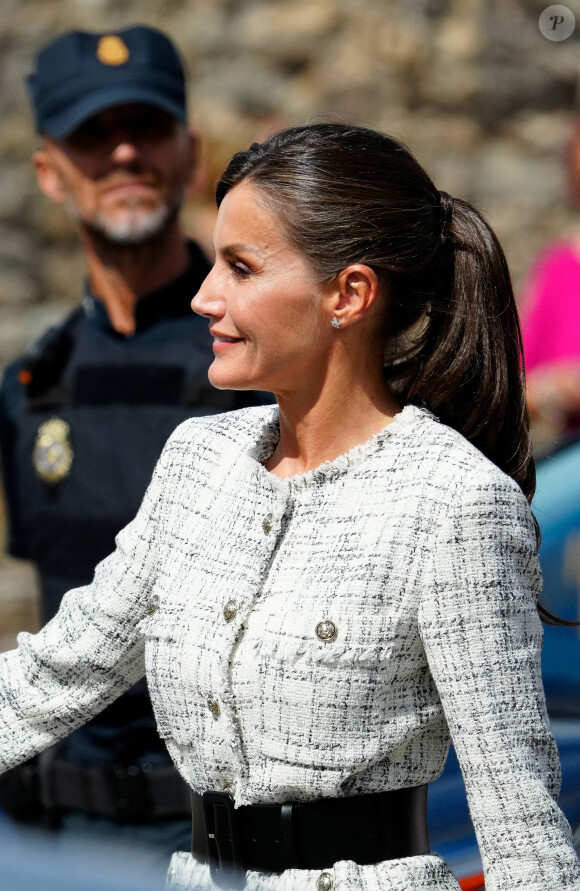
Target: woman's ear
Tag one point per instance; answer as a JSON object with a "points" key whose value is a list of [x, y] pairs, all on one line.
{"points": [[355, 292]]}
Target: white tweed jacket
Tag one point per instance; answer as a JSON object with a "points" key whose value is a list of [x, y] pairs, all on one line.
{"points": [[322, 635]]}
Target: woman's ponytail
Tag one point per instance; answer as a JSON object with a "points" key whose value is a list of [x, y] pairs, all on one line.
{"points": [[466, 366]]}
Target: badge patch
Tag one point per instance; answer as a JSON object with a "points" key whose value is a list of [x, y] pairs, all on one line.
{"points": [[111, 50], [52, 455]]}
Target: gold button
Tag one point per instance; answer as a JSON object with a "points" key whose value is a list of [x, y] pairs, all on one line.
{"points": [[326, 631], [267, 523], [153, 605], [230, 610], [324, 882], [213, 705]]}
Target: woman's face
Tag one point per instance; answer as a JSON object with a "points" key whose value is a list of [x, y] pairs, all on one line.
{"points": [[267, 313]]}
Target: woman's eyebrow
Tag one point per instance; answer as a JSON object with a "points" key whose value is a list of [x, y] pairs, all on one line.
{"points": [[236, 248]]}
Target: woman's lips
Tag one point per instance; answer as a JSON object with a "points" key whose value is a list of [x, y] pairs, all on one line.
{"points": [[221, 342]]}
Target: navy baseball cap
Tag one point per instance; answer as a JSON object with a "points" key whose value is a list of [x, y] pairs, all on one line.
{"points": [[81, 73]]}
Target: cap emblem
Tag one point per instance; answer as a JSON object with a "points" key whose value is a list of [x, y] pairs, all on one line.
{"points": [[111, 50], [52, 455]]}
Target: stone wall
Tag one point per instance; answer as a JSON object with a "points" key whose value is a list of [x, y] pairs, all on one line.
{"points": [[485, 101]]}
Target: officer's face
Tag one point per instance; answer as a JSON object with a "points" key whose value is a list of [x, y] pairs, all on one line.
{"points": [[122, 173], [267, 312]]}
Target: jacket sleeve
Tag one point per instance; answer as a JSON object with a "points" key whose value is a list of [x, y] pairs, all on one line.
{"points": [[91, 651], [482, 636]]}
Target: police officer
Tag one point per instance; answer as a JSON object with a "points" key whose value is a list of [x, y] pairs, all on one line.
{"points": [[85, 412]]}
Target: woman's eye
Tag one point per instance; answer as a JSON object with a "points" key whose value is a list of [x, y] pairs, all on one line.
{"points": [[240, 269]]}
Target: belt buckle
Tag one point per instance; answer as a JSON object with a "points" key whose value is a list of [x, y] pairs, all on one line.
{"points": [[223, 845]]}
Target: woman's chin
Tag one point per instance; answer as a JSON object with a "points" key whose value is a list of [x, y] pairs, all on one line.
{"points": [[227, 381]]}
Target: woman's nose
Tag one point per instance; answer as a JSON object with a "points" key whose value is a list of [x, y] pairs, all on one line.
{"points": [[207, 302]]}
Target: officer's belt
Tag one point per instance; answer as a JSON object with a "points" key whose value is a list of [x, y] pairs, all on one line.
{"points": [[126, 795]]}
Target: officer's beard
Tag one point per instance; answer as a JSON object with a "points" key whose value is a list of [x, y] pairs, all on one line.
{"points": [[136, 225]]}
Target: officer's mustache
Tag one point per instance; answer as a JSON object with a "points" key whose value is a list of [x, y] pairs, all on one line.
{"points": [[127, 176]]}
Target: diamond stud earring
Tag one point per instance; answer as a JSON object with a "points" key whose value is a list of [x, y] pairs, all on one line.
{"points": [[335, 322]]}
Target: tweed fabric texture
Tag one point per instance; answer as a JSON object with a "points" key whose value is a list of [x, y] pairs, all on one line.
{"points": [[423, 555], [417, 873]]}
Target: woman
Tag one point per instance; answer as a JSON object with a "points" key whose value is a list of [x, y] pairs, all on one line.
{"points": [[328, 590]]}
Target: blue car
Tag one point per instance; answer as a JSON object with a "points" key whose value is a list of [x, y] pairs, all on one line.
{"points": [[557, 509]]}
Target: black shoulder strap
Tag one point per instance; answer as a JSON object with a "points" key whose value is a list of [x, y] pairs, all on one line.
{"points": [[43, 362]]}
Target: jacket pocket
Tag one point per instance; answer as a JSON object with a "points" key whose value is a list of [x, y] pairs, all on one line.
{"points": [[334, 688]]}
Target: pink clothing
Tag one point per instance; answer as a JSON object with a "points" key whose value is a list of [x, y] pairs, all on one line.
{"points": [[551, 307]]}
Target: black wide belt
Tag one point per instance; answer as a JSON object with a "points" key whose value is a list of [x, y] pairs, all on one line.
{"points": [[314, 835]]}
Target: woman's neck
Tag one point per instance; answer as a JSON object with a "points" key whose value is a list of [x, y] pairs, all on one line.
{"points": [[315, 431]]}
